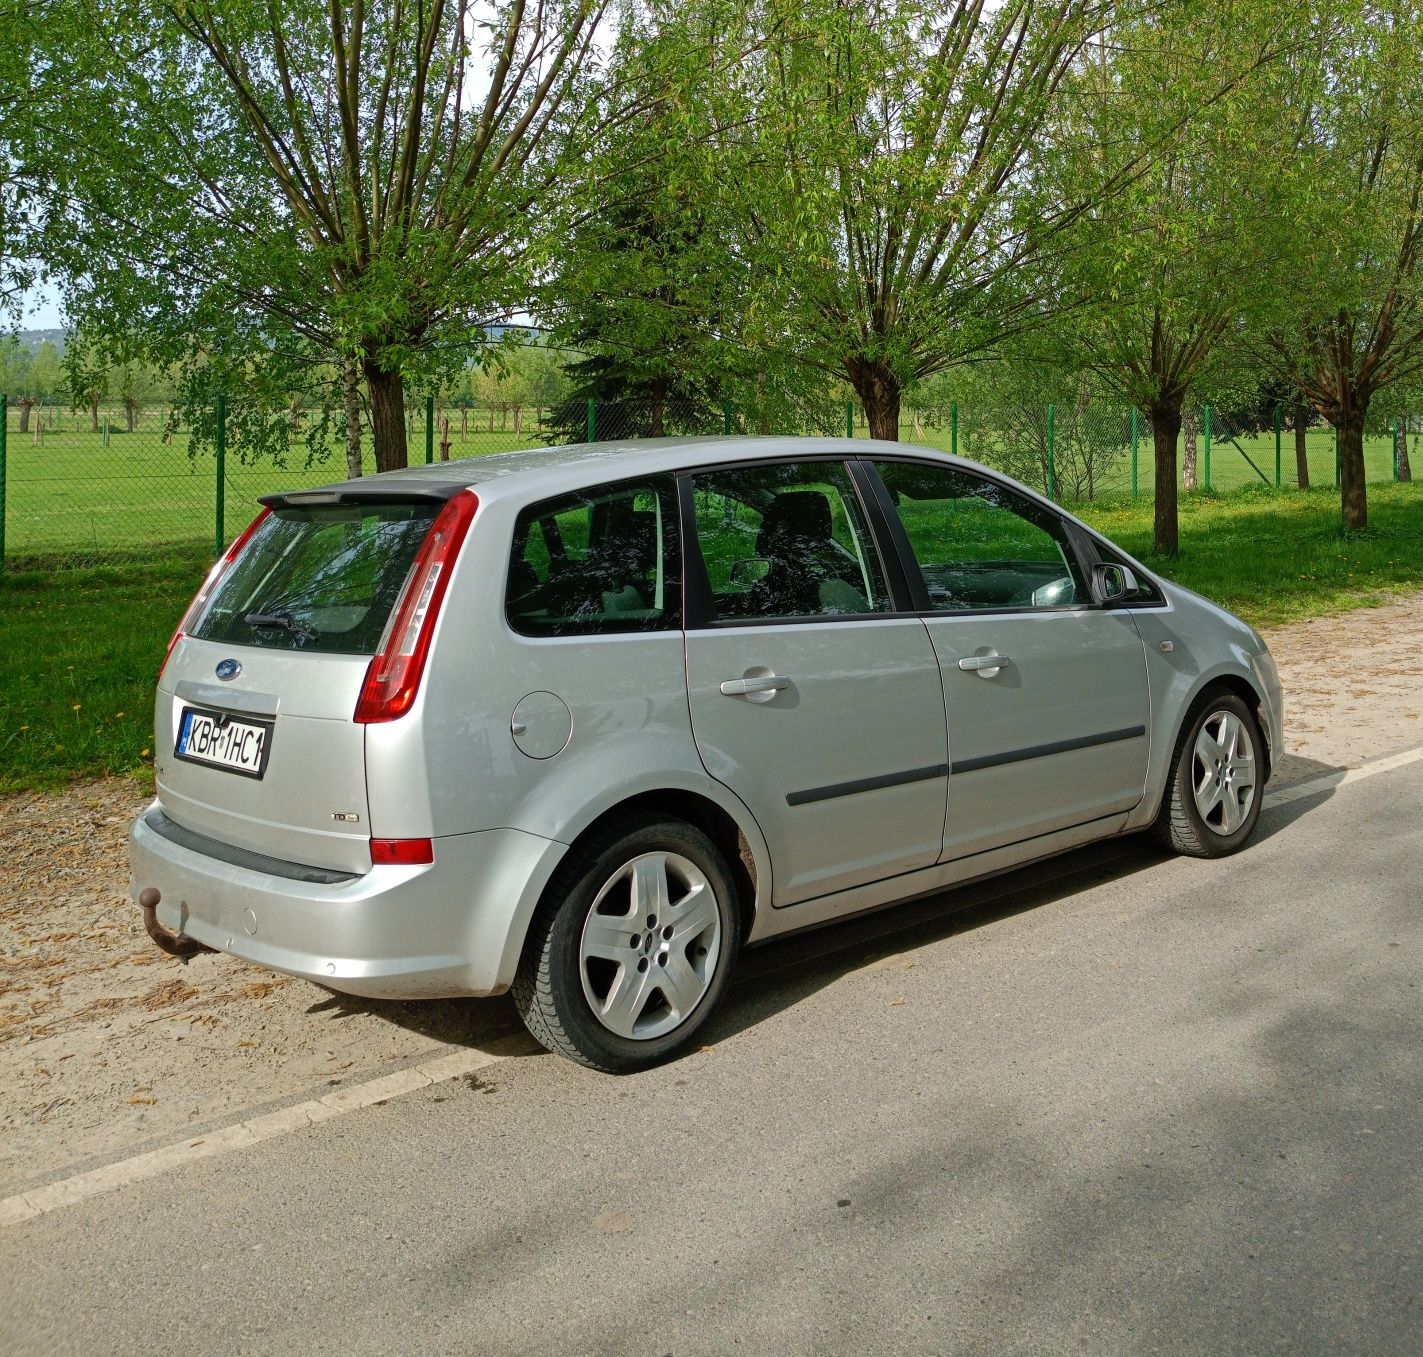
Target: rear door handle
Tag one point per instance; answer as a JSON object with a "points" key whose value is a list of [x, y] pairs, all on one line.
{"points": [[765, 683], [979, 663]]}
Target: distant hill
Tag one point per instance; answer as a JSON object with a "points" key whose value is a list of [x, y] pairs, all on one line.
{"points": [[32, 339]]}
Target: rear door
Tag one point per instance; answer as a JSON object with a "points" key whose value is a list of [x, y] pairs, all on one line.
{"points": [[812, 698], [1045, 691], [256, 742]]}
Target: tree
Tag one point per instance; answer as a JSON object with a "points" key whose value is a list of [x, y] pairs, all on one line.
{"points": [[86, 375], [891, 184], [1352, 326], [309, 184], [1170, 267]]}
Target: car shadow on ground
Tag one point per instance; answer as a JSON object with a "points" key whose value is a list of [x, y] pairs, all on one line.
{"points": [[776, 975]]}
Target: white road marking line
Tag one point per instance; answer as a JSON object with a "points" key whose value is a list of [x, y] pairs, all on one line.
{"points": [[1332, 780], [81, 1186]]}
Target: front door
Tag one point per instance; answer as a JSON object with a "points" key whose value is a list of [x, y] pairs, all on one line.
{"points": [[810, 698], [1045, 692]]}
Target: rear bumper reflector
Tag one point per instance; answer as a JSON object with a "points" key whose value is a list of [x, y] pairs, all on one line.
{"points": [[402, 852]]}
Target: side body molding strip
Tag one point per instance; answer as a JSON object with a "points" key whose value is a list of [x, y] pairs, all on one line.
{"points": [[1037, 751]]}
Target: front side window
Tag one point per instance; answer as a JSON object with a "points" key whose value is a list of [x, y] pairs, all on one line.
{"points": [[981, 545], [786, 541], [597, 561]]}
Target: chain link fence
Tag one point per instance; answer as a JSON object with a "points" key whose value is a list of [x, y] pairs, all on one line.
{"points": [[106, 485]]}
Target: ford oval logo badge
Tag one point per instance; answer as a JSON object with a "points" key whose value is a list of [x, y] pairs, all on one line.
{"points": [[227, 669]]}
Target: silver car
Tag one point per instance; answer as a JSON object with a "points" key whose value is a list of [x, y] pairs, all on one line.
{"points": [[582, 722]]}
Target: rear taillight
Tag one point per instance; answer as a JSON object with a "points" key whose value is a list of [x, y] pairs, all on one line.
{"points": [[393, 677], [402, 852], [220, 568]]}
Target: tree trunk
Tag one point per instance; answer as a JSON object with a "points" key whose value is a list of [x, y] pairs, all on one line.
{"points": [[130, 415], [1405, 471], [388, 431], [1353, 480], [518, 418], [445, 439], [93, 414], [1188, 459], [1165, 418], [878, 390], [464, 422], [26, 405], [351, 402], [1301, 422]]}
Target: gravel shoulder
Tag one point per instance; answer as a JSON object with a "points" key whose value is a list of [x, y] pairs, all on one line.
{"points": [[108, 1047]]}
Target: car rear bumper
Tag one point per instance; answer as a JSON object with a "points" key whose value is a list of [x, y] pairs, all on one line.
{"points": [[454, 927]]}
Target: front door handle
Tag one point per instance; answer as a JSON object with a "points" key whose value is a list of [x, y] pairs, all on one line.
{"points": [[763, 683], [983, 663]]}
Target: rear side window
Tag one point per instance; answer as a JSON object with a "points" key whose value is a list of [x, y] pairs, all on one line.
{"points": [[598, 561], [786, 541], [320, 579]]}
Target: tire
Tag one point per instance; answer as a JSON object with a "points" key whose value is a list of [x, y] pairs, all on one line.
{"points": [[596, 983], [1207, 812]]}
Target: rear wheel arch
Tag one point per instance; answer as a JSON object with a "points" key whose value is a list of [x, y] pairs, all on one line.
{"points": [[713, 819]]}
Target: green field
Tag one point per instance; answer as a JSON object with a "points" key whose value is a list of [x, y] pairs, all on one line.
{"points": [[72, 498], [80, 649]]}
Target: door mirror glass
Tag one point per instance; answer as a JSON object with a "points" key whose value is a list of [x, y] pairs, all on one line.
{"points": [[1114, 583]]}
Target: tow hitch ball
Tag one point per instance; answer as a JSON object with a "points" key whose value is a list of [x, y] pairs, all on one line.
{"points": [[179, 945]]}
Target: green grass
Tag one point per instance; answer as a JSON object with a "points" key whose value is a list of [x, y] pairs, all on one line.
{"points": [[79, 655], [80, 650], [1274, 556], [71, 497]]}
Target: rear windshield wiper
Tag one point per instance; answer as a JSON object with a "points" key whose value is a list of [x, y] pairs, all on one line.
{"points": [[283, 620]]}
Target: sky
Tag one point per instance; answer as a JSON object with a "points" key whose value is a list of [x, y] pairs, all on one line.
{"points": [[41, 312]]}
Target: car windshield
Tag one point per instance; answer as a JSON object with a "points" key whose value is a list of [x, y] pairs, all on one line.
{"points": [[318, 578]]}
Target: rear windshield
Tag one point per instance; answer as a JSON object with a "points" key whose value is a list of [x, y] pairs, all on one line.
{"points": [[318, 579]]}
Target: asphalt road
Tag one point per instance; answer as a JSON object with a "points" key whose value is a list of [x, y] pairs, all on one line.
{"points": [[1120, 1103]]}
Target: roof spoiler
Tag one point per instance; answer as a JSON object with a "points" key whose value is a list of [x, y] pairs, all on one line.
{"points": [[359, 494]]}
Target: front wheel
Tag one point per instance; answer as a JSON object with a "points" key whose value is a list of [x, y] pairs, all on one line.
{"points": [[1213, 800], [632, 946]]}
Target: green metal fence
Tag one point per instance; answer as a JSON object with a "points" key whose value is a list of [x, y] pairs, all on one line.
{"points": [[106, 485]]}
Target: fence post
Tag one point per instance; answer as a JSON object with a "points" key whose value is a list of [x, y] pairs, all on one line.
{"points": [[849, 419], [726, 417], [4, 427], [1208, 447], [220, 447], [592, 420], [1277, 446], [1051, 460], [429, 430], [1338, 465], [106, 428], [954, 427], [1134, 442]]}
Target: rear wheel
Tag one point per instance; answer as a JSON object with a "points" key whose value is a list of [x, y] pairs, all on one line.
{"points": [[1213, 801], [632, 946]]}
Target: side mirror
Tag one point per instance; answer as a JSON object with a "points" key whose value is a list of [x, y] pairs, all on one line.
{"points": [[749, 570], [1113, 583]]}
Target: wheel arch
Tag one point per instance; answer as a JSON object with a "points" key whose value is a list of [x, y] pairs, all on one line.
{"points": [[1227, 681], [714, 820]]}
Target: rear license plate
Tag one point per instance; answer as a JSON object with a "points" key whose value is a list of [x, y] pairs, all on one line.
{"points": [[236, 744]]}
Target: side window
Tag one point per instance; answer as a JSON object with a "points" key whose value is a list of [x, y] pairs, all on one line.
{"points": [[601, 560], [786, 541], [980, 545]]}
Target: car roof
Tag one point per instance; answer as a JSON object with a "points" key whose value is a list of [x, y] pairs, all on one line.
{"points": [[533, 472]]}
